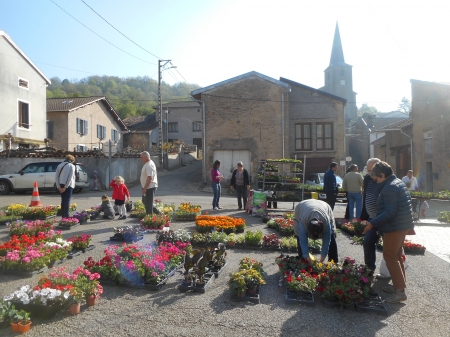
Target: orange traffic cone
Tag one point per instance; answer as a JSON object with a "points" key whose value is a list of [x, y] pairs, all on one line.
{"points": [[35, 196]]}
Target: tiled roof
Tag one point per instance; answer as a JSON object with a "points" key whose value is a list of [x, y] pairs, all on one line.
{"points": [[379, 142], [239, 78], [186, 104], [74, 103], [141, 123], [399, 124]]}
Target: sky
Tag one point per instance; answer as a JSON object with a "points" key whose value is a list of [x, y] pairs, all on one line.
{"points": [[209, 41]]}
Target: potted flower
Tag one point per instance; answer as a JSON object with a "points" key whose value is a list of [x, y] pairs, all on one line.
{"points": [[249, 263], [129, 205], [88, 284], [69, 222], [20, 321], [231, 239], [302, 283], [127, 233], [271, 241], [237, 284], [253, 238], [82, 217], [80, 241], [155, 221], [5, 218]]}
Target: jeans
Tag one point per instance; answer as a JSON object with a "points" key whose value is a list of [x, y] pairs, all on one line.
{"points": [[392, 253], [354, 198], [65, 201], [147, 200], [331, 200], [216, 189], [370, 246], [241, 192]]}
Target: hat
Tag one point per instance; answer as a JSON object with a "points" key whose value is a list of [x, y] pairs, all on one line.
{"points": [[240, 163]]}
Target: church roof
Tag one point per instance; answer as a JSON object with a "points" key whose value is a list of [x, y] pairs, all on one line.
{"points": [[337, 53]]}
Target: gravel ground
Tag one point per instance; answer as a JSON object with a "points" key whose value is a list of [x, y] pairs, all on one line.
{"points": [[168, 312]]}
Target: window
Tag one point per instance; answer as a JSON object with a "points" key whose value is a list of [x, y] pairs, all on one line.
{"points": [[24, 115], [81, 148], [82, 126], [23, 83], [303, 137], [196, 126], [50, 128], [101, 131], [324, 136], [114, 136], [342, 82], [173, 127]]}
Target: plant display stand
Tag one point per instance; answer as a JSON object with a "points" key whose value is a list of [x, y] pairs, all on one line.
{"points": [[165, 229], [373, 303], [253, 298], [22, 273], [217, 271], [300, 297], [40, 310], [209, 278], [146, 286], [54, 263], [76, 252], [67, 227]]}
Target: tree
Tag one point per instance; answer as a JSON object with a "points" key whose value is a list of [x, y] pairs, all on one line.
{"points": [[366, 111], [405, 105]]}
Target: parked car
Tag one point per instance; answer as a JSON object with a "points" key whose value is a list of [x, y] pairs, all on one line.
{"points": [[44, 174], [317, 179]]}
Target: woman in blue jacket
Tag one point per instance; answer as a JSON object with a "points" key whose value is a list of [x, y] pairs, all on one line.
{"points": [[394, 220]]}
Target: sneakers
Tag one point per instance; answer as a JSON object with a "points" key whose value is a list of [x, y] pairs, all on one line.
{"points": [[382, 277], [216, 208], [397, 297], [389, 289], [122, 217]]}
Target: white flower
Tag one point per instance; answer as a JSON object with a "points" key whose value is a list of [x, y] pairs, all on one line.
{"points": [[66, 295]]}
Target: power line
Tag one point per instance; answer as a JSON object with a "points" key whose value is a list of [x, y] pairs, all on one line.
{"points": [[120, 31], [98, 34]]}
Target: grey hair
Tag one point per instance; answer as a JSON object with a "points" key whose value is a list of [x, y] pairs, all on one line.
{"points": [[145, 154], [373, 160]]}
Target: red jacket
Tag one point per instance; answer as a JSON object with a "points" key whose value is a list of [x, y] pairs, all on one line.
{"points": [[120, 191]]}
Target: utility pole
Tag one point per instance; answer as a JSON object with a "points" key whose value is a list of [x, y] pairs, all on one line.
{"points": [[160, 126]]}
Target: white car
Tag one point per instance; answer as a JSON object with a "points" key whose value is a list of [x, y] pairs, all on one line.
{"points": [[44, 174], [317, 179]]}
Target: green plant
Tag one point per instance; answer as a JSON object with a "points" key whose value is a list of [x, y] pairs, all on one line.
{"points": [[21, 315], [240, 238], [231, 237], [218, 237], [198, 237], [237, 283], [253, 238], [303, 282], [6, 310], [249, 263], [285, 242]]}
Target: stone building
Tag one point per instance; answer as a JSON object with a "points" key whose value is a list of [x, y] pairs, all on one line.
{"points": [[315, 127], [431, 141], [245, 120], [83, 123]]}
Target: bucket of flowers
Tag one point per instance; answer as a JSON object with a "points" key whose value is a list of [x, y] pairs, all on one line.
{"points": [[81, 242], [83, 217], [129, 205], [155, 221], [68, 223], [127, 234]]}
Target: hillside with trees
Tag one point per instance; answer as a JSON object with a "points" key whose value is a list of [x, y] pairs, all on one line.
{"points": [[131, 96]]}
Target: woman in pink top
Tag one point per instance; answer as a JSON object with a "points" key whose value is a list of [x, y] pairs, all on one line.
{"points": [[215, 182]]}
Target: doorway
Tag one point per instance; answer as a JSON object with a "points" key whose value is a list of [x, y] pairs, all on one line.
{"points": [[429, 177]]}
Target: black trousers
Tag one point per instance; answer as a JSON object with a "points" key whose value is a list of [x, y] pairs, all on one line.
{"points": [[331, 200]]}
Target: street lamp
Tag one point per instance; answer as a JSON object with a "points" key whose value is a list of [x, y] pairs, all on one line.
{"points": [[167, 111]]}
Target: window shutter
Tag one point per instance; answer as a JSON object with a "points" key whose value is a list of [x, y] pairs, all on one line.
{"points": [[98, 131], [78, 125], [50, 125], [103, 132], [85, 131]]}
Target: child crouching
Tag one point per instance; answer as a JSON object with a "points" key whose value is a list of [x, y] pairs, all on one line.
{"points": [[106, 208]]}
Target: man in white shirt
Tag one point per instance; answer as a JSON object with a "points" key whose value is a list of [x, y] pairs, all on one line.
{"points": [[65, 183], [411, 183], [149, 182]]}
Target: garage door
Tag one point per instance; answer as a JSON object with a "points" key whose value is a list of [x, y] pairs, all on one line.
{"points": [[229, 159]]}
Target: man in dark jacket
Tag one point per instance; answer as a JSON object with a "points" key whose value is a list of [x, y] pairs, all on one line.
{"points": [[369, 212], [241, 183], [330, 187], [394, 220]]}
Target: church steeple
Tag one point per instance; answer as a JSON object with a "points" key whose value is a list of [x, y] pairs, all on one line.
{"points": [[337, 54]]}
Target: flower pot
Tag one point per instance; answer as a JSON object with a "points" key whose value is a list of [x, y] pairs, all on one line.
{"points": [[231, 243], [74, 309], [23, 326], [15, 327], [91, 301]]}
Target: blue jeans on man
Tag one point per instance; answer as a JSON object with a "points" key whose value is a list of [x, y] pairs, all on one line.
{"points": [[354, 199], [65, 201], [216, 189], [370, 246]]}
